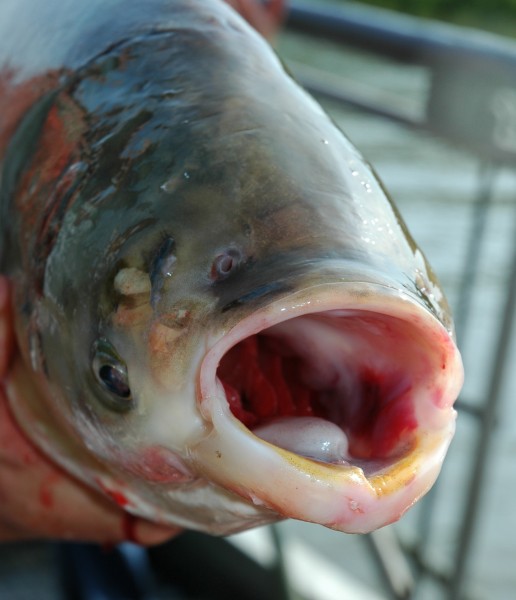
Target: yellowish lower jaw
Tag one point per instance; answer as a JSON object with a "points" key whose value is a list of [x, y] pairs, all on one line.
{"points": [[337, 409]]}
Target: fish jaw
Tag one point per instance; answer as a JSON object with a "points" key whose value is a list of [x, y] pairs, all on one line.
{"points": [[299, 465]]}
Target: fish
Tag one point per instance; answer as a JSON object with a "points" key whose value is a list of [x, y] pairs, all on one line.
{"points": [[225, 318]]}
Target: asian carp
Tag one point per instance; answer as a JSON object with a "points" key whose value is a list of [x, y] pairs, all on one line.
{"points": [[226, 319]]}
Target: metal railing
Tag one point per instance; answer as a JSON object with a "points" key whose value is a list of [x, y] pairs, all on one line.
{"points": [[471, 103]]}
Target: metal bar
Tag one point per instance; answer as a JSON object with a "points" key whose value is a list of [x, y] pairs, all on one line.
{"points": [[467, 408], [323, 86], [462, 312], [481, 457], [463, 64], [400, 37], [473, 250], [279, 567], [396, 572], [443, 578]]}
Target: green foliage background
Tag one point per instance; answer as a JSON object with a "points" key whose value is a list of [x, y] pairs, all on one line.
{"points": [[494, 15], [446, 7]]}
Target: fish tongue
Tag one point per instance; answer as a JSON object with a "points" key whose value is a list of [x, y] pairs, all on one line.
{"points": [[308, 436]]}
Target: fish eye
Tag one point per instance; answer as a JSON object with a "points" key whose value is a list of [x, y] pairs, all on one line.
{"points": [[110, 372]]}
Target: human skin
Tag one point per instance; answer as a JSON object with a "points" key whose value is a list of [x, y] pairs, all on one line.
{"points": [[37, 499], [265, 18]]}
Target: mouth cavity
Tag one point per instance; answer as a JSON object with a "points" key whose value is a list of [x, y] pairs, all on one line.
{"points": [[339, 387]]}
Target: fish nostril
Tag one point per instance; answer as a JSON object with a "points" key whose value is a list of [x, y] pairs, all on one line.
{"points": [[225, 263]]}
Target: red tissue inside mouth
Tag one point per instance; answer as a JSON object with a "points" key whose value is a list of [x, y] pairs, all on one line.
{"points": [[265, 379], [260, 384]]}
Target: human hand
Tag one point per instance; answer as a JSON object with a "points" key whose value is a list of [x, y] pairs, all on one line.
{"points": [[37, 498], [266, 18]]}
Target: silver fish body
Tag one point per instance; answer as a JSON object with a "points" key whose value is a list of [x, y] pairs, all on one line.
{"points": [[226, 319]]}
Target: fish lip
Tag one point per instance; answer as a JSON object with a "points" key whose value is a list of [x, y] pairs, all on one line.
{"points": [[353, 502]]}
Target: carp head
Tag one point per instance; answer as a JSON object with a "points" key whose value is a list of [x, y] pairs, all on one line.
{"points": [[228, 318]]}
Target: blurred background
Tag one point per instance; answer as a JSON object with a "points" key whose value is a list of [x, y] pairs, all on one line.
{"points": [[426, 89], [428, 94]]}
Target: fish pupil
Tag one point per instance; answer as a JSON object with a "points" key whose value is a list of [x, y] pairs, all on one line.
{"points": [[114, 381]]}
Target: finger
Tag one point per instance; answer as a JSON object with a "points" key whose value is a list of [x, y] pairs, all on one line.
{"points": [[150, 534], [266, 19], [277, 10], [39, 500], [6, 326]]}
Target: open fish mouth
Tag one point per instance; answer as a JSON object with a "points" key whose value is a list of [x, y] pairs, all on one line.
{"points": [[333, 405]]}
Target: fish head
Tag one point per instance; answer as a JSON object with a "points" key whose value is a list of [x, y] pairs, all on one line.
{"points": [[234, 325]]}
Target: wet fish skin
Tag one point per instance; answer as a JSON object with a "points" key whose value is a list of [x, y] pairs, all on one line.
{"points": [[167, 191]]}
